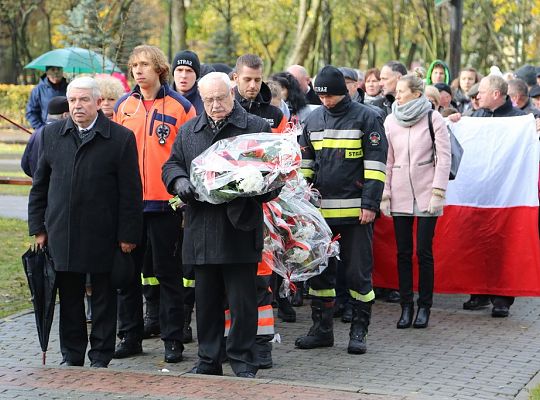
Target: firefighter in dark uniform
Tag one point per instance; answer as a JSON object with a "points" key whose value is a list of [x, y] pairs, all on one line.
{"points": [[344, 151]]}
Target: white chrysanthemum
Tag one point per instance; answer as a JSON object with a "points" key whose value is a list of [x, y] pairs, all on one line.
{"points": [[298, 256], [250, 180], [306, 232]]}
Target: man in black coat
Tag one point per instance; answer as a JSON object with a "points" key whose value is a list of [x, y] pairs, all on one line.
{"points": [[224, 242], [85, 203]]}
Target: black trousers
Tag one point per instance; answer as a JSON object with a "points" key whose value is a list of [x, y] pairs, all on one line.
{"points": [[356, 253], [73, 329], [237, 284], [161, 235], [425, 230]]}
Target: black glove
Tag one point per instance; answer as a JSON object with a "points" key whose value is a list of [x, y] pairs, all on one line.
{"points": [[265, 198], [185, 190]]}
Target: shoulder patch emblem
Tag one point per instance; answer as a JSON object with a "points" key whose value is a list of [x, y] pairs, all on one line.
{"points": [[374, 138]]}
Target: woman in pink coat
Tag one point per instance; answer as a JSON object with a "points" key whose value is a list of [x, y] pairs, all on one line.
{"points": [[416, 180]]}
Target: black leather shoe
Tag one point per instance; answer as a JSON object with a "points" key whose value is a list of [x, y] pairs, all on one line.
{"points": [[407, 312], [246, 374], [500, 311], [197, 370], [476, 302], [69, 363], [151, 329], [173, 351], [393, 296], [99, 364], [347, 313], [127, 348], [422, 318]]}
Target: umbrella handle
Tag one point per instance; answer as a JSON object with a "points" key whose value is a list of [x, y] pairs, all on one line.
{"points": [[44, 357]]}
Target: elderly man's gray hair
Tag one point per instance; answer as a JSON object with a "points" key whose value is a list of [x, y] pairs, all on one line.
{"points": [[213, 76], [497, 83], [84, 82]]}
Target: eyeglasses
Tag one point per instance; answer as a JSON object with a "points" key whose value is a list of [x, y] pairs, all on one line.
{"points": [[210, 101]]}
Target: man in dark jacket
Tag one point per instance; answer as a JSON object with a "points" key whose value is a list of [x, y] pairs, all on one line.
{"points": [[224, 242], [253, 94], [390, 74], [186, 70], [85, 202], [51, 84], [344, 151], [494, 102], [518, 92], [304, 80]]}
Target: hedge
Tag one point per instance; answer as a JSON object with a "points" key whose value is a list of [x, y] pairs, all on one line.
{"points": [[13, 99]]}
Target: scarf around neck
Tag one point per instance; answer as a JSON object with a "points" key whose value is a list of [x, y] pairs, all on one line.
{"points": [[411, 112]]}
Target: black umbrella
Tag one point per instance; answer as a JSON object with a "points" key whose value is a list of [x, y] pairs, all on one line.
{"points": [[41, 276]]}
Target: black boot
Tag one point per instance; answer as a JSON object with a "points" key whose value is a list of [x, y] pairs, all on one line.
{"points": [[187, 333], [263, 353], [407, 312], [285, 310], [422, 318], [298, 297], [173, 351], [128, 347], [321, 334], [347, 312], [151, 319], [359, 327]]}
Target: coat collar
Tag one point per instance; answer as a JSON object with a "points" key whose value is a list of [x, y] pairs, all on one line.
{"points": [[238, 118], [162, 92], [102, 126]]}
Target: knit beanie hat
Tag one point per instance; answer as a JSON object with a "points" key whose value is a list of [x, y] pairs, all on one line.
{"points": [[189, 59], [330, 81], [58, 105]]}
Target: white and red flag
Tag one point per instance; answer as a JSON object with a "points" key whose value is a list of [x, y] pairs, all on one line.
{"points": [[487, 240]]}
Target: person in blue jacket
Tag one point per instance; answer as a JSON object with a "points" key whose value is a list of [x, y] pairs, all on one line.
{"points": [[57, 109], [51, 84]]}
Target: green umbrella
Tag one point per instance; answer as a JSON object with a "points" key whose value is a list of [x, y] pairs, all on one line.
{"points": [[74, 60]]}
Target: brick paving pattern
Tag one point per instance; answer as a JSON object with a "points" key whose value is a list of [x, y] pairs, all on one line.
{"points": [[462, 355]]}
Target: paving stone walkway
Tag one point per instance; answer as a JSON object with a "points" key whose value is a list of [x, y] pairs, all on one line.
{"points": [[462, 355]]}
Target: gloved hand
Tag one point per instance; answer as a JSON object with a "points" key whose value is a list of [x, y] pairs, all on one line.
{"points": [[185, 190], [437, 202], [385, 206]]}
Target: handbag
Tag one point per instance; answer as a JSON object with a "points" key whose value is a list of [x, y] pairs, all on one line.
{"points": [[456, 149]]}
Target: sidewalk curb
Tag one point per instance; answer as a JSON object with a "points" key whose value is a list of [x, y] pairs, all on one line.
{"points": [[526, 391]]}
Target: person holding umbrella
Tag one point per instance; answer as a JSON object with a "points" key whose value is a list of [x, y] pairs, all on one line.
{"points": [[85, 205], [51, 84]]}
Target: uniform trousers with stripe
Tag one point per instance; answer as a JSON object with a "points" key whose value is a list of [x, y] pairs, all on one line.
{"points": [[356, 255], [237, 284], [161, 235]]}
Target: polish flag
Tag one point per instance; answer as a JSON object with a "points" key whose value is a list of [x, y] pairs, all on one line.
{"points": [[487, 240]]}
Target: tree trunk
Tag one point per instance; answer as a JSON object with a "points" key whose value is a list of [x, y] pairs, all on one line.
{"points": [[304, 41], [456, 26], [179, 26]]}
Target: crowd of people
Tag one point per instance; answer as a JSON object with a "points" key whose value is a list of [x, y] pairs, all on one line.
{"points": [[105, 163]]}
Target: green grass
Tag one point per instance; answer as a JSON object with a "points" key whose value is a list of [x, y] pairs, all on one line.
{"points": [[535, 393], [14, 190], [12, 148], [14, 240]]}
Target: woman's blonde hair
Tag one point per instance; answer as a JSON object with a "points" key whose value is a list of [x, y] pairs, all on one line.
{"points": [[110, 87], [156, 56], [432, 92], [415, 80]]}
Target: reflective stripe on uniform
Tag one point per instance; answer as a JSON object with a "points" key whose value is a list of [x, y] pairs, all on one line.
{"points": [[375, 165], [150, 281], [322, 292], [189, 282], [341, 212], [377, 175], [307, 163], [308, 173], [265, 321], [336, 134], [337, 144], [362, 297], [341, 203]]}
